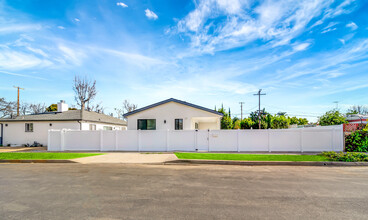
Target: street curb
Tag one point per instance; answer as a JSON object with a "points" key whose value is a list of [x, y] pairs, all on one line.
{"points": [[266, 163], [36, 161]]}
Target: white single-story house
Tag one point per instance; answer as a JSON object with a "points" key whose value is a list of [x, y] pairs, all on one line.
{"points": [[173, 114], [27, 129]]}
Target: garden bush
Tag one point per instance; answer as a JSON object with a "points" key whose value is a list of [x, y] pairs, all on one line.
{"points": [[346, 157], [357, 141]]}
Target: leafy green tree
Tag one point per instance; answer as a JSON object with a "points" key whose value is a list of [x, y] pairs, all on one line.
{"points": [[226, 121], [302, 121], [279, 122], [294, 120], [247, 123], [236, 123], [52, 108], [333, 117]]}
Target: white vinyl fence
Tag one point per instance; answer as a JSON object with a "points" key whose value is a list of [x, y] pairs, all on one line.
{"points": [[328, 138]]}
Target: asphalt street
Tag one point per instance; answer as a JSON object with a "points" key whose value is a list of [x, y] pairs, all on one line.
{"points": [[118, 191]]}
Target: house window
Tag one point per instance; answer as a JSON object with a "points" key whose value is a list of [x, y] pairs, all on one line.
{"points": [[107, 128], [178, 124], [92, 127], [146, 124], [29, 127]]}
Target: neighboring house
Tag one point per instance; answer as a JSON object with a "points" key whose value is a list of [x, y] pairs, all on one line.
{"points": [[27, 129], [173, 114], [357, 119]]}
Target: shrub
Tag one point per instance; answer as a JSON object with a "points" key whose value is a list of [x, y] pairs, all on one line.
{"points": [[346, 157], [332, 117], [357, 141], [246, 123]]}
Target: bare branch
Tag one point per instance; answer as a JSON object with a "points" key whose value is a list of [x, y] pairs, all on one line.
{"points": [[85, 91]]}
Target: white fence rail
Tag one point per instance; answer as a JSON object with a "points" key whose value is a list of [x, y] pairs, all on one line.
{"points": [[328, 138]]}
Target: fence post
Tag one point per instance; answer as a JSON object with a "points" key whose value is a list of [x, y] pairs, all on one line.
{"points": [[48, 140], [342, 138], [268, 140], [301, 139], [167, 140], [62, 141], [237, 140], [116, 140], [208, 140], [139, 140], [332, 138], [196, 140], [101, 140]]}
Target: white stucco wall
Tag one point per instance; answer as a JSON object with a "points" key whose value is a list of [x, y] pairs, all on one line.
{"points": [[171, 111], [16, 135], [100, 126]]}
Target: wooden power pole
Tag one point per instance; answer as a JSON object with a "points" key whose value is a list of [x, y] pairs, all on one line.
{"points": [[17, 87], [259, 106]]}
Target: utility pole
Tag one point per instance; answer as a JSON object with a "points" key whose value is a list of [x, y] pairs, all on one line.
{"points": [[241, 110], [17, 87], [259, 106]]}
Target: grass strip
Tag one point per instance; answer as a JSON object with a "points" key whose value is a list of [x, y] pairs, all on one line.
{"points": [[43, 156], [250, 157]]}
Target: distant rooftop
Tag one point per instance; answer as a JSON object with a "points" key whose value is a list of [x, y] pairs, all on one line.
{"points": [[176, 101], [71, 115]]}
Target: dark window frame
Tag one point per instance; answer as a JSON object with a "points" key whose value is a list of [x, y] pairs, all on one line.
{"points": [[178, 125], [28, 127], [145, 126]]}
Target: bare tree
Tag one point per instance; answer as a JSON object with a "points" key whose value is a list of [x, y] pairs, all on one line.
{"points": [[358, 109], [96, 108], [7, 109], [127, 107], [37, 108], [24, 108], [85, 91]]}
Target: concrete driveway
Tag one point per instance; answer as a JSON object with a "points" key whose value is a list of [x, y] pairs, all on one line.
{"points": [[141, 158], [122, 191]]}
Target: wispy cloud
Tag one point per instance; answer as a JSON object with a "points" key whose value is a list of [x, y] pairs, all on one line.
{"points": [[150, 14], [122, 4], [352, 25], [76, 19], [61, 27], [21, 75], [241, 22], [15, 60]]}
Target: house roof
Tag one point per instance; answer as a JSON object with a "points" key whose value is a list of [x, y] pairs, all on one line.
{"points": [[176, 101], [70, 115]]}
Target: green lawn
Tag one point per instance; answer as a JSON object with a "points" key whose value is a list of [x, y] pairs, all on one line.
{"points": [[43, 156], [250, 157]]}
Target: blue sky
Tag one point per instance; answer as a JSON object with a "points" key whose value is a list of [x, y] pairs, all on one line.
{"points": [[304, 54]]}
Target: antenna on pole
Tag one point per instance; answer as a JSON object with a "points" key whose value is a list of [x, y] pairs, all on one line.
{"points": [[337, 104], [17, 87], [259, 106], [241, 110]]}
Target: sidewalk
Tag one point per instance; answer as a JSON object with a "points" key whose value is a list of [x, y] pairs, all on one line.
{"points": [[131, 158]]}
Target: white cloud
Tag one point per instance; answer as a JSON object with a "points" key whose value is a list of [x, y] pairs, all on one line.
{"points": [[352, 25], [219, 24], [150, 14], [76, 19], [75, 56], [61, 27], [5, 29], [301, 47], [342, 41], [21, 75], [121, 4], [14, 60]]}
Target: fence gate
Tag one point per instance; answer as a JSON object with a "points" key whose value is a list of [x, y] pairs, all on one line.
{"points": [[202, 140]]}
